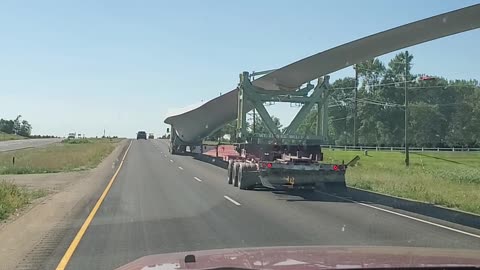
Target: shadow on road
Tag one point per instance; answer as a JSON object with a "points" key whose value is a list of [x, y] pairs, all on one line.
{"points": [[413, 207], [308, 195]]}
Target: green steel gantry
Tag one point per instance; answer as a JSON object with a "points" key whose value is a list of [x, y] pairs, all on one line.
{"points": [[252, 97]]}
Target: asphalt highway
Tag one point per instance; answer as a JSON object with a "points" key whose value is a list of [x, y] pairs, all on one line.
{"points": [[161, 203], [28, 143]]}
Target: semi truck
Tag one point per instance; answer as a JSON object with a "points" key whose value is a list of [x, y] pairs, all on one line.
{"points": [[277, 166]]}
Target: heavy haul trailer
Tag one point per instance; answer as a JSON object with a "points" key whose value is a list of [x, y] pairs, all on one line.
{"points": [[285, 167], [176, 145]]}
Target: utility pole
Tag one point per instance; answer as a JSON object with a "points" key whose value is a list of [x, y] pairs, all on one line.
{"points": [[407, 154], [355, 107], [254, 120], [254, 112]]}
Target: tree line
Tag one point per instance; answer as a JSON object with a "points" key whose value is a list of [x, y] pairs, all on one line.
{"points": [[441, 112], [16, 126]]}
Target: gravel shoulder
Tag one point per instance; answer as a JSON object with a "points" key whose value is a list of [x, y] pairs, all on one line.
{"points": [[31, 236]]}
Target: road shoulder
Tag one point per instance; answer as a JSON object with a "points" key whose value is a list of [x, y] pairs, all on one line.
{"points": [[33, 237]]}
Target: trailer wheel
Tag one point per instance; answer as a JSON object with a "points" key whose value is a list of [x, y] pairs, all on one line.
{"points": [[245, 178], [230, 172], [236, 168]]}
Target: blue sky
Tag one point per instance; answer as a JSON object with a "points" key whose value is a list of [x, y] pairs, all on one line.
{"points": [[122, 65]]}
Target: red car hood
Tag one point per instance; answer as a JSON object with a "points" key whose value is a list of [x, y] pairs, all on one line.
{"points": [[309, 257]]}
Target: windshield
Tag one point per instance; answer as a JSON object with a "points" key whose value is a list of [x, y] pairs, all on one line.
{"points": [[290, 134]]}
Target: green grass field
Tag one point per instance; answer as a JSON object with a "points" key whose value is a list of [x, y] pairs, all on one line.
{"points": [[9, 137], [450, 179], [70, 155]]}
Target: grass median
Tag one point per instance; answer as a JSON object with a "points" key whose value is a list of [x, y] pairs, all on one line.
{"points": [[70, 155], [450, 179]]}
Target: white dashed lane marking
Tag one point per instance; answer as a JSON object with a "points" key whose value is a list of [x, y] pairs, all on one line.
{"points": [[232, 200]]}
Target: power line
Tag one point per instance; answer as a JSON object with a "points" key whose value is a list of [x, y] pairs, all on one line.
{"points": [[411, 87]]}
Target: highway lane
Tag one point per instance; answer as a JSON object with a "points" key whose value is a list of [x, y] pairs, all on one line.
{"points": [[161, 203], [27, 143]]}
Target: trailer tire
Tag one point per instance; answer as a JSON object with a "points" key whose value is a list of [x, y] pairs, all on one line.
{"points": [[236, 168], [230, 172], [246, 179]]}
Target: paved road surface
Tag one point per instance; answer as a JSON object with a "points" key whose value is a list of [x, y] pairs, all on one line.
{"points": [[28, 143], [162, 203]]}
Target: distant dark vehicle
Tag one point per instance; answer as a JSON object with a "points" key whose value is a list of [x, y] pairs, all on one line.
{"points": [[141, 135], [151, 136]]}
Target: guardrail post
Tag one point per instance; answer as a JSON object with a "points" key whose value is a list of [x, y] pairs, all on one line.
{"points": [[345, 148]]}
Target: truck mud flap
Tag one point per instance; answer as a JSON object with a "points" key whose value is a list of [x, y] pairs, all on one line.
{"points": [[266, 183]]}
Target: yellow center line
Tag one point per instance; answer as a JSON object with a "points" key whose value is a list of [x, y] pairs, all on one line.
{"points": [[73, 246]]}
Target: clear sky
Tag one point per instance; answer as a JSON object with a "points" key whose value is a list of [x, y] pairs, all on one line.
{"points": [[86, 66]]}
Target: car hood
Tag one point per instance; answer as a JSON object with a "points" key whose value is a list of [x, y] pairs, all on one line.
{"points": [[309, 257]]}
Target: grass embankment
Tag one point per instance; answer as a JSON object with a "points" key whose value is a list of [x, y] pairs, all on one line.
{"points": [[8, 137], [13, 198], [450, 179], [70, 155]]}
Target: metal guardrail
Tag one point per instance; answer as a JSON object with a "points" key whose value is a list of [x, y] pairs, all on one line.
{"points": [[397, 149]]}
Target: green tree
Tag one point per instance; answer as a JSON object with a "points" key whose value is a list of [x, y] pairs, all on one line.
{"points": [[25, 129], [261, 127], [6, 126], [426, 125], [17, 124], [226, 129]]}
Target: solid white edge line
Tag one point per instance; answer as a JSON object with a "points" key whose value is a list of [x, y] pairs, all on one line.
{"points": [[407, 216], [232, 200], [198, 179], [180, 168]]}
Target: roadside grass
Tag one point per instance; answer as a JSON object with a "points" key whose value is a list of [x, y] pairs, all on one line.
{"points": [[13, 198], [8, 137], [71, 155], [450, 179]]}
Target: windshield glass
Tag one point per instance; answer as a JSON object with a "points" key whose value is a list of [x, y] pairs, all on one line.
{"points": [[269, 134]]}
